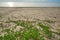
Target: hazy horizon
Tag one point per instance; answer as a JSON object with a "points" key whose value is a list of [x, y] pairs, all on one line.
{"points": [[30, 3]]}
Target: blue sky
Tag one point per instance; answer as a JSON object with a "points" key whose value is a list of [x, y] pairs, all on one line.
{"points": [[29, 0], [43, 3]]}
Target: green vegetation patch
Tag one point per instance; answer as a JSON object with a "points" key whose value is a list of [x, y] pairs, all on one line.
{"points": [[29, 31]]}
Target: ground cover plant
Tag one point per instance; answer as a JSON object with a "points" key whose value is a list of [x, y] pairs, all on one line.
{"points": [[29, 30]]}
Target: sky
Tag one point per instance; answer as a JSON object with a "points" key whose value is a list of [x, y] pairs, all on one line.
{"points": [[29, 0], [43, 3]]}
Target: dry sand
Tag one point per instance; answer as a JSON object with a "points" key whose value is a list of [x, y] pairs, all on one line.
{"points": [[32, 14]]}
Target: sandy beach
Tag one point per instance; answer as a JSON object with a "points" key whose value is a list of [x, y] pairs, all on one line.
{"points": [[33, 14]]}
